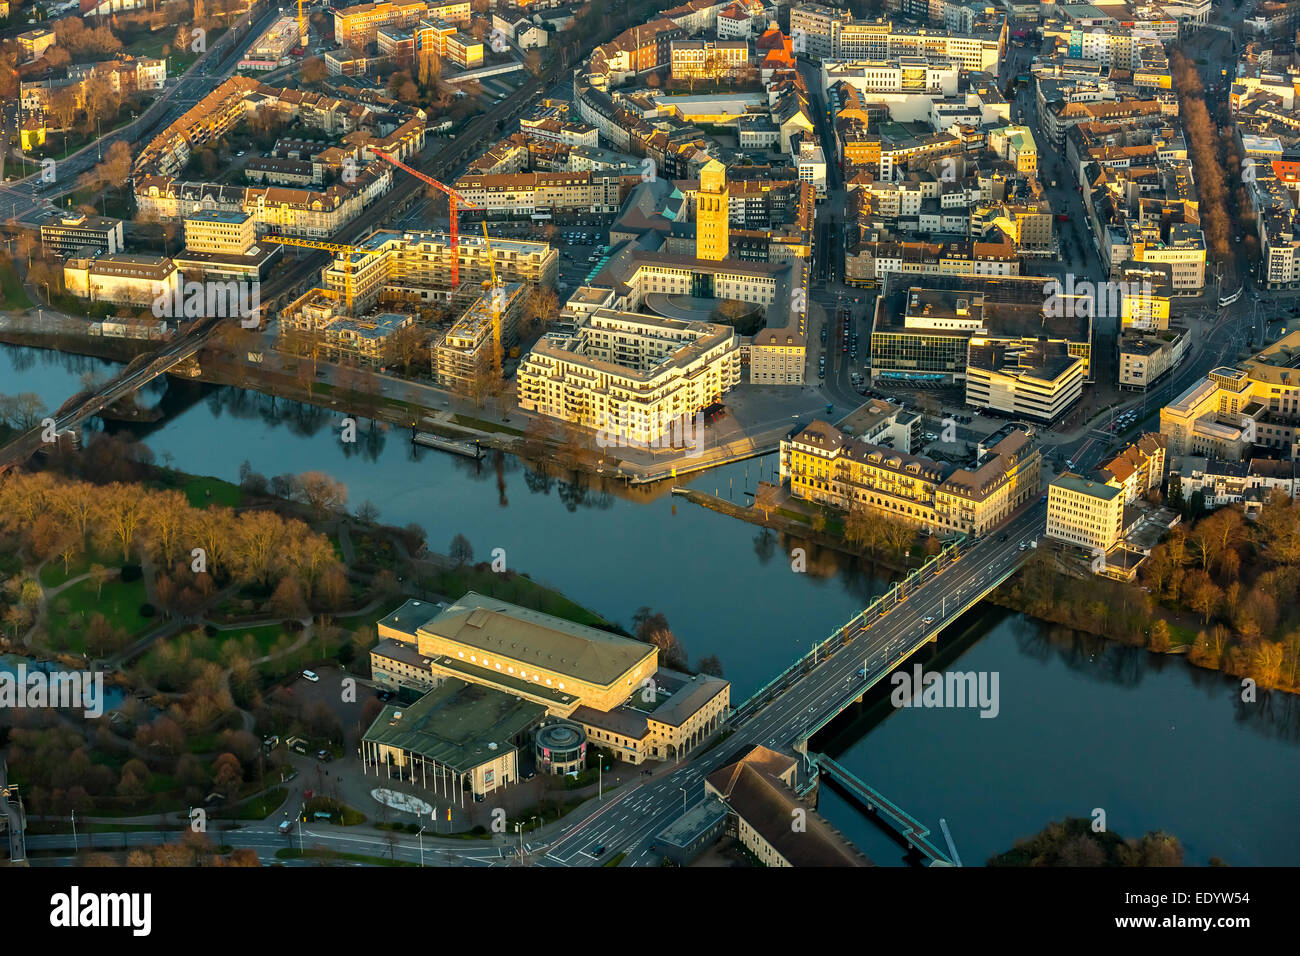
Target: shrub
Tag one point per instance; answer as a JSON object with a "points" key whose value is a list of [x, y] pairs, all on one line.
{"points": [[291, 625], [131, 572], [147, 610]]}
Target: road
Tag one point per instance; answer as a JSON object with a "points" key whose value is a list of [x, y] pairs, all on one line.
{"points": [[631, 818]]}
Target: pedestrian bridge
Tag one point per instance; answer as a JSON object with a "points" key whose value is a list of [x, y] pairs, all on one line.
{"points": [[914, 833]]}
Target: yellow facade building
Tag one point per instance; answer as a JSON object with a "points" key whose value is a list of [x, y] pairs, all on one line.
{"points": [[822, 464]]}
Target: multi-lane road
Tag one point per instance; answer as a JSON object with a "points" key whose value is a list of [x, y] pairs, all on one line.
{"points": [[633, 816]]}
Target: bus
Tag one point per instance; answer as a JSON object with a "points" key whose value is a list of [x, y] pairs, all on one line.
{"points": [[541, 216]]}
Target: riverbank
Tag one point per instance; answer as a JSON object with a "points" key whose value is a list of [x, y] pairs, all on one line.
{"points": [[797, 524], [1127, 614]]}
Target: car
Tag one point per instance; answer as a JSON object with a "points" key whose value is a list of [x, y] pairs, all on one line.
{"points": [[1003, 538], [323, 755], [1023, 546], [599, 850], [311, 676], [821, 372], [1070, 463], [927, 620]]}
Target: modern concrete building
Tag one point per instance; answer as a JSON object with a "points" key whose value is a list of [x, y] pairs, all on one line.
{"points": [[418, 264], [1085, 512], [466, 352], [1231, 409], [1038, 379], [459, 737], [210, 230], [76, 233]]}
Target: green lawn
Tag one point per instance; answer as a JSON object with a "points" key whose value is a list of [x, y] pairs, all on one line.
{"points": [[1181, 634], [119, 602], [262, 807], [264, 638], [205, 491], [52, 573], [14, 295]]}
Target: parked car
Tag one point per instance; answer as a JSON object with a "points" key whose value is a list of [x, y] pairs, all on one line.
{"points": [[311, 676]]}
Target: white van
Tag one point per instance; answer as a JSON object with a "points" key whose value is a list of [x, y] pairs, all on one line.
{"points": [[311, 676]]}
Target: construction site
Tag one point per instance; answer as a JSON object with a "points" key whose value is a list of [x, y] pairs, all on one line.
{"points": [[374, 288]]}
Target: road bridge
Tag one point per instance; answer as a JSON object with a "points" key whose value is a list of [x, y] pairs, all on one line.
{"points": [[806, 696]]}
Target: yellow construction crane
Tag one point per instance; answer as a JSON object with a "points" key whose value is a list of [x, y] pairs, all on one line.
{"points": [[346, 252], [302, 28], [495, 293]]}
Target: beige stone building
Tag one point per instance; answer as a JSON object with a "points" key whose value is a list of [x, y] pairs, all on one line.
{"points": [[822, 464], [613, 686]]}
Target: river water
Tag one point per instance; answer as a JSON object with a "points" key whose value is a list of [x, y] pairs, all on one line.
{"points": [[1082, 724]]}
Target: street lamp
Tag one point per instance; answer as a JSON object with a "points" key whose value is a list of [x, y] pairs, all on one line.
{"points": [[421, 836]]}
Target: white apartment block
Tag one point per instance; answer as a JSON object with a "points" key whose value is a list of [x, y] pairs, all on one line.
{"points": [[635, 377]]}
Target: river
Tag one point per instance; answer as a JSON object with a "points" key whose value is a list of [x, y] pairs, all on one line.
{"points": [[1082, 724]]}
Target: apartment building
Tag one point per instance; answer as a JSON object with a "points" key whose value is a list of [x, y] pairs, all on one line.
{"points": [[1146, 358], [637, 378], [34, 43], [467, 350], [125, 77], [521, 194], [1085, 512], [358, 25], [822, 464], [1249, 483], [1139, 468], [418, 265], [317, 323], [874, 260]]}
